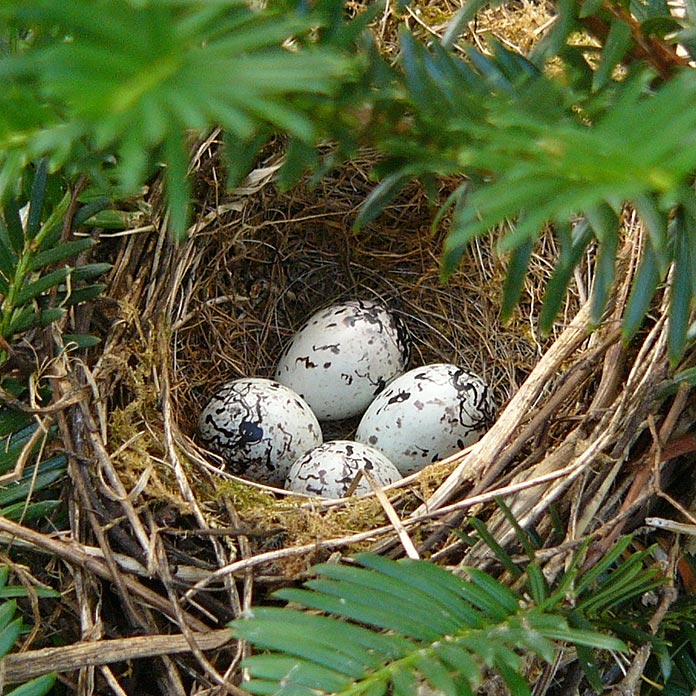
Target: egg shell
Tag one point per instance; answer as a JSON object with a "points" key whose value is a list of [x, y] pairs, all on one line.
{"points": [[329, 469], [427, 414], [259, 427], [343, 356]]}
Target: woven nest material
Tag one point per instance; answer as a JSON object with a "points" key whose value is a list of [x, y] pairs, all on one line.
{"points": [[584, 424], [574, 428], [255, 266]]}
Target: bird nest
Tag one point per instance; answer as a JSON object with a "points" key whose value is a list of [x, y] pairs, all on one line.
{"points": [[256, 264], [581, 422]]}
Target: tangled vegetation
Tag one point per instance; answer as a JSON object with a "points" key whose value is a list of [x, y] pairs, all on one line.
{"points": [[583, 138]]}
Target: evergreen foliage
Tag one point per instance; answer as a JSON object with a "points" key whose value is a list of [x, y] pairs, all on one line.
{"points": [[115, 88], [129, 80], [441, 629], [10, 630], [37, 285], [562, 139]]}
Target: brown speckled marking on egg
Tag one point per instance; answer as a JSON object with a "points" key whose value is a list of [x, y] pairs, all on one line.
{"points": [[329, 469], [259, 427], [343, 356], [427, 414]]}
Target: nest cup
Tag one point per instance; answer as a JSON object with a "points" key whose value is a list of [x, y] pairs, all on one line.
{"points": [[257, 263], [196, 546]]}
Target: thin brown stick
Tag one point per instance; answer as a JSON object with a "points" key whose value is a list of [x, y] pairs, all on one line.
{"points": [[393, 517], [19, 667]]}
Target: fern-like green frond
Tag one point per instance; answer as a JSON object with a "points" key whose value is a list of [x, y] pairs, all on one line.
{"points": [[37, 281], [441, 629], [132, 79]]}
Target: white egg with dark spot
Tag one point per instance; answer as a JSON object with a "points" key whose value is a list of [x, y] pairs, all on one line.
{"points": [[259, 427], [330, 469], [426, 415], [344, 356]]}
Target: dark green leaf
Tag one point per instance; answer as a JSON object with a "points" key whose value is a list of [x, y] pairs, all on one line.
{"points": [[642, 291], [616, 46], [383, 194], [81, 340], [379, 645], [83, 294], [240, 156], [11, 422], [415, 625], [36, 200], [19, 437], [437, 675], [295, 672], [26, 318], [523, 536], [457, 25], [60, 253], [367, 611], [501, 601], [681, 292], [48, 316], [403, 682], [35, 687], [514, 66], [394, 591], [29, 513], [13, 225], [536, 583], [557, 286], [84, 215], [563, 25], [90, 271], [9, 635], [444, 587], [655, 222], [37, 287], [320, 648], [49, 472], [514, 681], [299, 157], [604, 274], [590, 7], [8, 259], [178, 189], [586, 656], [501, 554], [7, 612], [660, 26], [466, 226], [514, 278]]}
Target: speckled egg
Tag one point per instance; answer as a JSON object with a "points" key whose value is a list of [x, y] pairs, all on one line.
{"points": [[259, 427], [344, 356], [329, 469], [427, 414]]}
